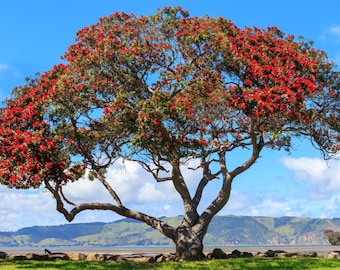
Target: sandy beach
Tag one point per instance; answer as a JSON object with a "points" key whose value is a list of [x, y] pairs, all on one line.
{"points": [[154, 250]]}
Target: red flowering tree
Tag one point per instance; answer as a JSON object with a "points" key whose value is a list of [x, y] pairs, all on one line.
{"points": [[162, 90]]}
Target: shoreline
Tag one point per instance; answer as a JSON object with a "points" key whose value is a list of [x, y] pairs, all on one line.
{"points": [[153, 250]]}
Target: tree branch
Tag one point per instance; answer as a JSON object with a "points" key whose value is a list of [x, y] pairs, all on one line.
{"points": [[113, 194], [222, 197], [190, 211], [155, 223], [257, 147], [154, 171], [207, 176]]}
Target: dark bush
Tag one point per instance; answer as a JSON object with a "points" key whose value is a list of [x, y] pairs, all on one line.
{"points": [[332, 237]]}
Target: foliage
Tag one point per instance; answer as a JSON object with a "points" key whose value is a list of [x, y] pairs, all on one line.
{"points": [[258, 264], [162, 90], [332, 237]]}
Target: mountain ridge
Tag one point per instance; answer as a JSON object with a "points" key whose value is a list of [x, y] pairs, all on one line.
{"points": [[223, 230]]}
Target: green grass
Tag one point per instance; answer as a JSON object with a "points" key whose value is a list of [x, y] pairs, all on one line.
{"points": [[234, 264]]}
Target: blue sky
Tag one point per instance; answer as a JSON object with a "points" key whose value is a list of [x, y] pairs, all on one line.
{"points": [[33, 36]]}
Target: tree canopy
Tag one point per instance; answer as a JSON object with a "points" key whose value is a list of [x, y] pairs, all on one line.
{"points": [[332, 237], [161, 90]]}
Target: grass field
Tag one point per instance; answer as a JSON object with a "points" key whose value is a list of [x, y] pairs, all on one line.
{"points": [[234, 264]]}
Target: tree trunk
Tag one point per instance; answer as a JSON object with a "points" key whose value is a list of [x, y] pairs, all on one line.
{"points": [[189, 244]]}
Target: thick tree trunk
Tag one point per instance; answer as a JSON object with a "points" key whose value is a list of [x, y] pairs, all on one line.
{"points": [[189, 244]]}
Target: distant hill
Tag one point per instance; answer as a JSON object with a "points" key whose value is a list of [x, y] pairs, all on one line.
{"points": [[223, 230]]}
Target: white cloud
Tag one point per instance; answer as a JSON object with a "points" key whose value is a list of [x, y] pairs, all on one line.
{"points": [[274, 208], [7, 71], [255, 204], [240, 201], [4, 67], [299, 207], [331, 34], [20, 208], [331, 207], [136, 188], [149, 193], [139, 191], [321, 177], [8, 77], [335, 30], [331, 40], [282, 205]]}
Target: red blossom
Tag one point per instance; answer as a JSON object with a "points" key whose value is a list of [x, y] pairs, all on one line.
{"points": [[160, 82]]}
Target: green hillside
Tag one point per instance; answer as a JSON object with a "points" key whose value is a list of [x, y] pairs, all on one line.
{"points": [[224, 230]]}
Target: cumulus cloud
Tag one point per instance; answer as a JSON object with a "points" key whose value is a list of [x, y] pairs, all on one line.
{"points": [[136, 188], [139, 191], [298, 207], [331, 207], [255, 204], [20, 208], [149, 193], [246, 204], [132, 184], [322, 177], [272, 207]]}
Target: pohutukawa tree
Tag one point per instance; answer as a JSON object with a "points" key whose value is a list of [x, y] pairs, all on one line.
{"points": [[162, 90]]}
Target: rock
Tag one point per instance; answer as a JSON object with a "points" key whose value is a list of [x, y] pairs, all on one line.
{"points": [[75, 256], [286, 255], [55, 255], [160, 258], [3, 255], [171, 257], [120, 258], [17, 257], [95, 257], [273, 253], [237, 253], [311, 254], [333, 255], [260, 255], [140, 259], [209, 256], [218, 254], [58, 257], [270, 253], [111, 257], [277, 252], [232, 256], [37, 257], [247, 254]]}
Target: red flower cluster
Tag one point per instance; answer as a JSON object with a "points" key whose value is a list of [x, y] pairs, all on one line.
{"points": [[166, 84]]}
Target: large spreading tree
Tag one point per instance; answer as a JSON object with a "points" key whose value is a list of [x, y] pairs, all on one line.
{"points": [[162, 90]]}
